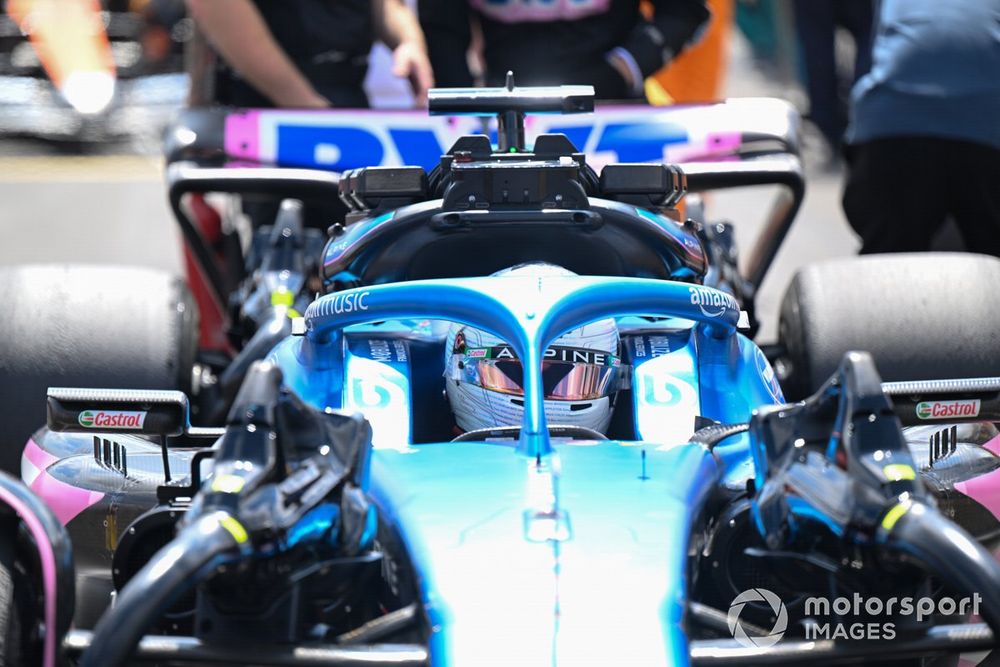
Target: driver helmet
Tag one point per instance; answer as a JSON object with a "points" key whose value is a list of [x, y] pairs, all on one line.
{"points": [[581, 372]]}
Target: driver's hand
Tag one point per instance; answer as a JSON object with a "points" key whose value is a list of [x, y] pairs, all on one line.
{"points": [[410, 60]]}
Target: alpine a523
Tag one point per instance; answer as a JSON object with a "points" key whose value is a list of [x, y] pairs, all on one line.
{"points": [[523, 421]]}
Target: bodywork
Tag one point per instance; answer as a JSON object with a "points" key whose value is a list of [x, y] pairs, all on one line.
{"points": [[523, 546], [477, 517]]}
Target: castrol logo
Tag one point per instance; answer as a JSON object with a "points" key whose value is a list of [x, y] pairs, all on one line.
{"points": [[946, 409], [116, 419]]}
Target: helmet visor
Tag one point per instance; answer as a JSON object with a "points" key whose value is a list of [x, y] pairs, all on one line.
{"points": [[568, 374]]}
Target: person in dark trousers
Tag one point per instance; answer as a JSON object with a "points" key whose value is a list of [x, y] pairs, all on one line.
{"points": [[605, 43], [301, 54], [307, 53], [816, 23], [924, 137]]}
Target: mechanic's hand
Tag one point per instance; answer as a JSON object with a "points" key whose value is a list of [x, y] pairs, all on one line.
{"points": [[410, 59]]}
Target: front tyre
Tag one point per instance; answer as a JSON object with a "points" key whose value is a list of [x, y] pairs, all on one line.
{"points": [[19, 643]]}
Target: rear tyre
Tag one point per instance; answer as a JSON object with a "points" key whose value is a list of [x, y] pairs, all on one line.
{"points": [[87, 326], [922, 316], [18, 607]]}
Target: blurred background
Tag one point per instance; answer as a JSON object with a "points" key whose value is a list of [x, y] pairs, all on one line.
{"points": [[81, 171]]}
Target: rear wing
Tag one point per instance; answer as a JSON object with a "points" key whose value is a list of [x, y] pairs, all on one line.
{"points": [[735, 143], [945, 401], [341, 139], [159, 414]]}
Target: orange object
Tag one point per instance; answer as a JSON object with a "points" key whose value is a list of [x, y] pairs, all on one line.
{"points": [[72, 45], [699, 74]]}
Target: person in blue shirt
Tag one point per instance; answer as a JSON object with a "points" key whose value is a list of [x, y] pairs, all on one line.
{"points": [[924, 136], [816, 22]]}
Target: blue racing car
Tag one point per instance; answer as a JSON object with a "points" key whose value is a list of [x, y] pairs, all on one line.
{"points": [[521, 424]]}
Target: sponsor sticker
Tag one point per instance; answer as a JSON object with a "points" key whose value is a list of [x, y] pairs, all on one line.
{"points": [[712, 302], [945, 409], [350, 302], [767, 374], [569, 355], [658, 346], [383, 350], [638, 346], [346, 302], [118, 419], [382, 393]]}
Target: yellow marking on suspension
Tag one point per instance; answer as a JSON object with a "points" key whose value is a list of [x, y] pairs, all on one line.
{"points": [[282, 297], [896, 472], [228, 484], [893, 515], [234, 528]]}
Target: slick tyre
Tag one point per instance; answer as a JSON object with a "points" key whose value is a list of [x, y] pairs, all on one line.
{"points": [[87, 326], [18, 608], [922, 316]]}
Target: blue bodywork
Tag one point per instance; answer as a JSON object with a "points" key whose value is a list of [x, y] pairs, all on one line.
{"points": [[541, 550]]}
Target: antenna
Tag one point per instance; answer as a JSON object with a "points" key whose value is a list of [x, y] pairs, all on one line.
{"points": [[510, 125]]}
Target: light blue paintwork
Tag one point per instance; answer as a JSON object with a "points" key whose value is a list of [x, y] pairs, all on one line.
{"points": [[665, 383], [607, 583], [377, 384], [612, 594]]}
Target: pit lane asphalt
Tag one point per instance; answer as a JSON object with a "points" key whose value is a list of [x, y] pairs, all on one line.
{"points": [[83, 208]]}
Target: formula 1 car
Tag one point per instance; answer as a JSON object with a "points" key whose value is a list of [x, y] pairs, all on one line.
{"points": [[200, 337], [84, 70], [341, 522]]}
